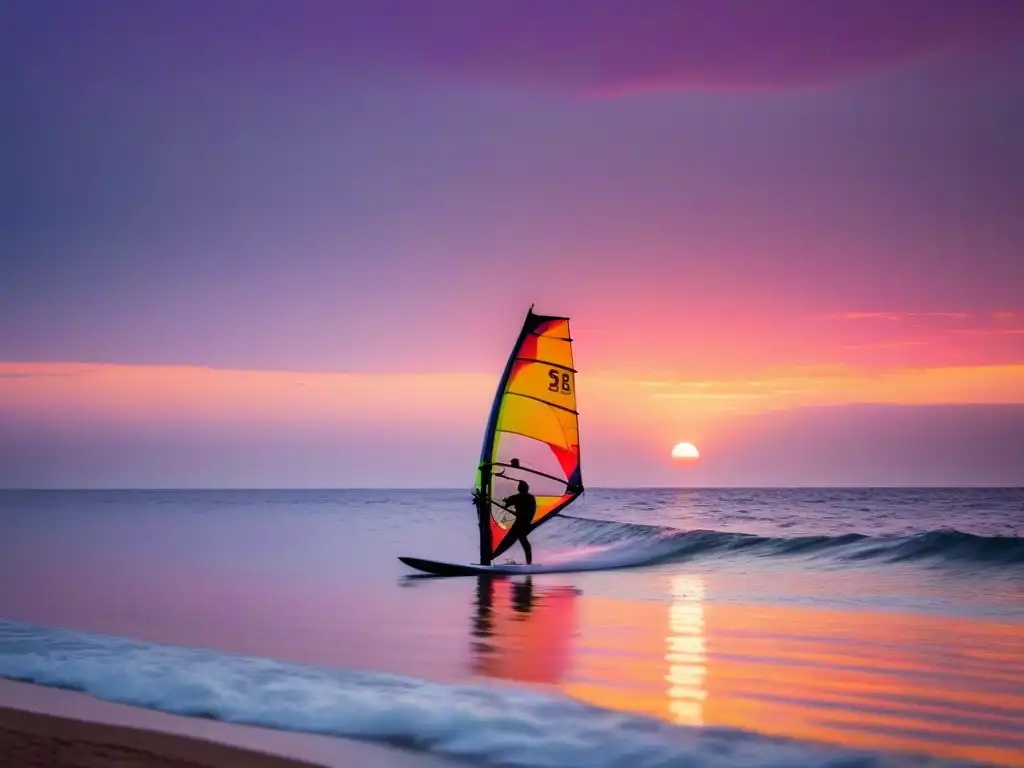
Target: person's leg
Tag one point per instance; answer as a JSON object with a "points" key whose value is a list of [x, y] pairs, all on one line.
{"points": [[526, 549], [511, 537]]}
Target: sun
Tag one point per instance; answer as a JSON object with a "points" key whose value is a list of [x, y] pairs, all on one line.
{"points": [[687, 451]]}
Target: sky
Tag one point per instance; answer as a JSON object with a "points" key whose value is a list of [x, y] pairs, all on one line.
{"points": [[289, 243]]}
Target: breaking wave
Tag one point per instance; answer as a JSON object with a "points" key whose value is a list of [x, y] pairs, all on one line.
{"points": [[632, 544]]}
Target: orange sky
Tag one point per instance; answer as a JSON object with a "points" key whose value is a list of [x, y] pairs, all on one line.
{"points": [[627, 421]]}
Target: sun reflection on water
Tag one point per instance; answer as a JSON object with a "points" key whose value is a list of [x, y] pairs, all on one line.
{"points": [[686, 652]]}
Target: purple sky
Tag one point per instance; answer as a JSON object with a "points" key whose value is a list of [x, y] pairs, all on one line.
{"points": [[710, 190]]}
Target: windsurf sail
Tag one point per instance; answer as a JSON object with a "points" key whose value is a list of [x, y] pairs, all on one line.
{"points": [[532, 433]]}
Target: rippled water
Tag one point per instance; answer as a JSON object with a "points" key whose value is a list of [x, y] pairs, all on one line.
{"points": [[878, 620]]}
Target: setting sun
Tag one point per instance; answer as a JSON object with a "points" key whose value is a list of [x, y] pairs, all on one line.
{"points": [[685, 451]]}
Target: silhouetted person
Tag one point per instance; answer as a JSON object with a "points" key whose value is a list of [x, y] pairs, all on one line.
{"points": [[523, 505]]}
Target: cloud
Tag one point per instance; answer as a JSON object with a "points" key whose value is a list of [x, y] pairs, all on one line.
{"points": [[813, 387], [942, 337], [896, 316], [43, 370], [127, 395], [594, 46], [988, 331]]}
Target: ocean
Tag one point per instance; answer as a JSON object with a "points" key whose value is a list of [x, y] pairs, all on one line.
{"points": [[751, 627]]}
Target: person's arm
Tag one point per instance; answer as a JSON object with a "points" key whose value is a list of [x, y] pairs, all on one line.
{"points": [[503, 503]]}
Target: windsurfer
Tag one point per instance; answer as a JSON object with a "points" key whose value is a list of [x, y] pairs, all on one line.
{"points": [[525, 506]]}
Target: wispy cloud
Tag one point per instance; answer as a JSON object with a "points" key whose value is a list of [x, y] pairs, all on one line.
{"points": [[596, 46], [803, 388], [897, 316], [940, 335], [116, 393], [893, 344], [988, 331], [42, 370]]}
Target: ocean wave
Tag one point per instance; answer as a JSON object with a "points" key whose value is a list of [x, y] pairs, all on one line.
{"points": [[498, 725], [635, 544]]}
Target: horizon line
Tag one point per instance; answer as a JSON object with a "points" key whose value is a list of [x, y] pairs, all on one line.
{"points": [[335, 489]]}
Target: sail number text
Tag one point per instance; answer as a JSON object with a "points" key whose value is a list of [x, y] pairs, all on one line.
{"points": [[559, 382]]}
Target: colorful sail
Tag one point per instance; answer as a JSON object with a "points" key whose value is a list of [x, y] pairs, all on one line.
{"points": [[533, 431]]}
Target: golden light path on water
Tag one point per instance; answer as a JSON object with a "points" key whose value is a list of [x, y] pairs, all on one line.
{"points": [[686, 652], [870, 679]]}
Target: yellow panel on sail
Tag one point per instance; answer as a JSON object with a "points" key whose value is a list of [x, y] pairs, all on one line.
{"points": [[541, 380], [538, 420]]}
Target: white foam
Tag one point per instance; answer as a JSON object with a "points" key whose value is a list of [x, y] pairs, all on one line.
{"points": [[489, 725], [627, 554]]}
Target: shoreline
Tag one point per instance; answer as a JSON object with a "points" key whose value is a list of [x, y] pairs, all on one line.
{"points": [[49, 727]]}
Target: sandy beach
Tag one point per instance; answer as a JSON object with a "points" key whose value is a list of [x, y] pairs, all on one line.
{"points": [[49, 728]]}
